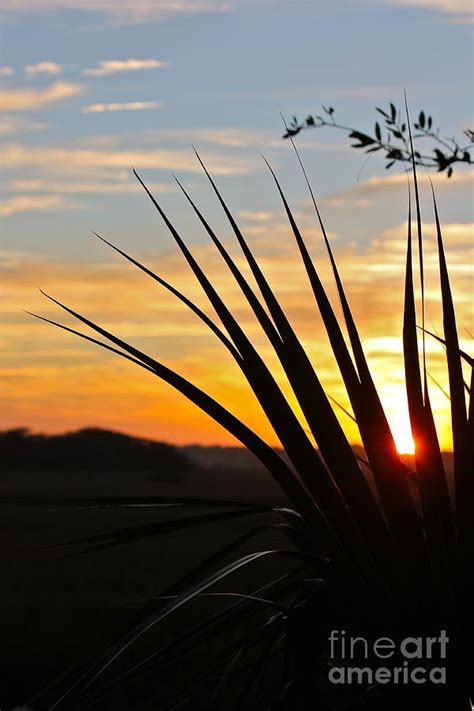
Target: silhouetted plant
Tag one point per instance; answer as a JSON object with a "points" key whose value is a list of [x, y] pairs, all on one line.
{"points": [[373, 547], [391, 137]]}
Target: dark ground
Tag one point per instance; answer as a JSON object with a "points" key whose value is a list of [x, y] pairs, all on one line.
{"points": [[57, 609]]}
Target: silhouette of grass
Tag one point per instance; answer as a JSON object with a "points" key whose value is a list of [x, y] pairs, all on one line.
{"points": [[391, 551]]}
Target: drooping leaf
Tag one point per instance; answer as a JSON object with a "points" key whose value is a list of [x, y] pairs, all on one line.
{"points": [[184, 299], [281, 416], [87, 679], [138, 532], [329, 436], [275, 465], [431, 477], [462, 443], [388, 471]]}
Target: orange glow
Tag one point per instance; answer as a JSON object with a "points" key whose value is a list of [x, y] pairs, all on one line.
{"points": [[52, 382]]}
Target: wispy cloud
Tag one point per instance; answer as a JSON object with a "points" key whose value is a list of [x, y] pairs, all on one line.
{"points": [[127, 106], [6, 71], [35, 203], [395, 182], [229, 137], [115, 66], [138, 11], [233, 137], [256, 216], [455, 235], [461, 9], [305, 93], [42, 68], [123, 11], [83, 187], [80, 161], [34, 99], [375, 91], [373, 278], [14, 125]]}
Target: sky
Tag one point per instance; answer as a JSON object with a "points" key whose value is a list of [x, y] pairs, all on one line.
{"points": [[91, 88]]}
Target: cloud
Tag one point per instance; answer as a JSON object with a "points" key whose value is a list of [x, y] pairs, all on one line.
{"points": [[460, 7], [35, 99], [340, 200], [80, 161], [123, 11], [255, 216], [364, 92], [454, 235], [48, 68], [35, 203], [83, 187], [394, 183], [6, 71], [232, 137], [10, 125], [455, 11], [138, 11], [114, 66], [128, 106], [37, 354]]}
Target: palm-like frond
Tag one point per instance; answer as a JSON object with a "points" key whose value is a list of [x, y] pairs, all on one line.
{"points": [[402, 547]]}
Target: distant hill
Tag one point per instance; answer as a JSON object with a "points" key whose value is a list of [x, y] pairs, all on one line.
{"points": [[224, 458], [90, 450], [103, 451]]}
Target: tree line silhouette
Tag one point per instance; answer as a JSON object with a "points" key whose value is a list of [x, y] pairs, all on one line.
{"points": [[89, 449]]}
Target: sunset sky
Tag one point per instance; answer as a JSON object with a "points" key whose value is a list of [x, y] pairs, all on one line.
{"points": [[90, 88]]}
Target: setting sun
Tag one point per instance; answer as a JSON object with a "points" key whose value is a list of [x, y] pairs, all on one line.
{"points": [[400, 426], [236, 339]]}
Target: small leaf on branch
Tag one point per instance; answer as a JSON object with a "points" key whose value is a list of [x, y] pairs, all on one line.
{"points": [[291, 132], [362, 137], [395, 153], [394, 128]]}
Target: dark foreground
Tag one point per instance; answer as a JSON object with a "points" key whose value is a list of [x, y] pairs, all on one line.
{"points": [[58, 608]]}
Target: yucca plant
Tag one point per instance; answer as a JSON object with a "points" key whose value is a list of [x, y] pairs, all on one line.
{"points": [[373, 548]]}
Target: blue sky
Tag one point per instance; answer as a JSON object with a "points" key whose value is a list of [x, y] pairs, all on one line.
{"points": [[89, 88], [227, 68]]}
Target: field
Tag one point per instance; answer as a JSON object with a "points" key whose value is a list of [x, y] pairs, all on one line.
{"points": [[58, 609]]}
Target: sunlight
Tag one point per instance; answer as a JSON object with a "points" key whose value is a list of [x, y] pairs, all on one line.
{"points": [[401, 430]]}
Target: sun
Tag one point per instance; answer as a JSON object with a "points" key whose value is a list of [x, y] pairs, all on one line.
{"points": [[401, 430]]}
